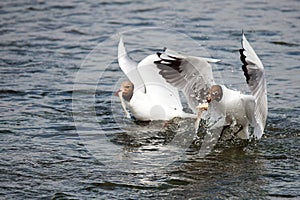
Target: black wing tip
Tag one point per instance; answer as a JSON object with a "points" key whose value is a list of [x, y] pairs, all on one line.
{"points": [[242, 56], [172, 63], [244, 66], [160, 53]]}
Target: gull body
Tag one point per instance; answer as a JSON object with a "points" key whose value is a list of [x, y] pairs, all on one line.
{"points": [[147, 95], [227, 107]]}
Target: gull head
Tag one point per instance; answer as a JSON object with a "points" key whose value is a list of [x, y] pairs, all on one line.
{"points": [[126, 90], [215, 93]]}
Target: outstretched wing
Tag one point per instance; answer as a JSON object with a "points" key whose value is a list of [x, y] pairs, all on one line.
{"points": [[255, 77], [192, 75], [145, 77], [129, 67], [157, 88]]}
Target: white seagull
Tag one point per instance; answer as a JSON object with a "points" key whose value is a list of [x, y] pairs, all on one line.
{"points": [[147, 95], [228, 108]]}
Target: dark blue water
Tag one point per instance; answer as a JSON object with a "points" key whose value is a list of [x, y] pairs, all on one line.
{"points": [[64, 136]]}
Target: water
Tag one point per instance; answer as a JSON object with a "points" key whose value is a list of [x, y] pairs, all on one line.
{"points": [[44, 44]]}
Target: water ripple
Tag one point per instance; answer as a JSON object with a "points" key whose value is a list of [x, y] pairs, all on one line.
{"points": [[42, 155]]}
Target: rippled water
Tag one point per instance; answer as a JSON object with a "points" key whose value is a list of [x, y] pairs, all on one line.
{"points": [[45, 154]]}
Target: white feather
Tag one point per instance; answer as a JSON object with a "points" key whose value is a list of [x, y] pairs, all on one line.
{"points": [[193, 75], [153, 97]]}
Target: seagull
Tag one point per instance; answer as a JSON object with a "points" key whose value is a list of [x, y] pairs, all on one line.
{"points": [[225, 107], [147, 95]]}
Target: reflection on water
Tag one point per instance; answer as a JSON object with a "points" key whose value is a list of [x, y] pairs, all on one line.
{"points": [[45, 154]]}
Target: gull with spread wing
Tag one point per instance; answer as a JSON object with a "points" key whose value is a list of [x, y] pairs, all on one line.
{"points": [[226, 107], [147, 95]]}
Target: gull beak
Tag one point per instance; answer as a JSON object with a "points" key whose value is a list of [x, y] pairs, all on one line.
{"points": [[208, 99], [117, 92]]}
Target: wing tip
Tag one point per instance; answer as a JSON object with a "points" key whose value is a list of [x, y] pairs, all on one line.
{"points": [[258, 132], [243, 59], [244, 40]]}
